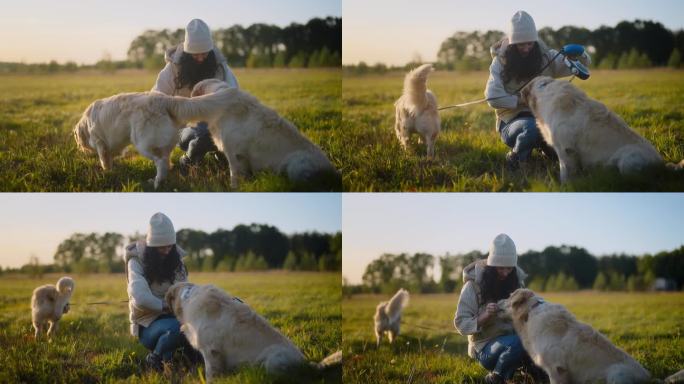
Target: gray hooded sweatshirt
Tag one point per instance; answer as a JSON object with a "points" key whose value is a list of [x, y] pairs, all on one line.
{"points": [[506, 107], [470, 306], [166, 81], [145, 300]]}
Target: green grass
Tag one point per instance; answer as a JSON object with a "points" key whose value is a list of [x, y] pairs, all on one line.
{"points": [[38, 113], [469, 152], [648, 326], [94, 343]]}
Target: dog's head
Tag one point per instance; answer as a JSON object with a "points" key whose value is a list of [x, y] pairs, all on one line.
{"points": [[174, 298], [518, 305], [533, 91], [208, 86], [82, 131]]}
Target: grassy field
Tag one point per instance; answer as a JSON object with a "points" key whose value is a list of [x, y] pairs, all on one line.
{"points": [[38, 113], [94, 344], [648, 326], [469, 153]]}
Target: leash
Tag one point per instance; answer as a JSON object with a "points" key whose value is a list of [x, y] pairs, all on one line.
{"points": [[100, 302], [428, 328], [516, 91]]}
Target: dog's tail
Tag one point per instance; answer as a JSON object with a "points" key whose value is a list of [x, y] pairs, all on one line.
{"points": [[332, 360], [397, 304], [676, 167], [415, 85], [82, 132], [201, 108]]}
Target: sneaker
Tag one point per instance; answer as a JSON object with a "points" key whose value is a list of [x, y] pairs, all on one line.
{"points": [[493, 378], [154, 362], [548, 151], [512, 160]]}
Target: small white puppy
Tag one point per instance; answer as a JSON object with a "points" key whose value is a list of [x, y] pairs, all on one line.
{"points": [[228, 333], [148, 120], [416, 110], [49, 303], [255, 138], [388, 316], [568, 350], [584, 132]]}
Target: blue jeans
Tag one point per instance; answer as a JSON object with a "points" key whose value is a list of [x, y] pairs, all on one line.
{"points": [[502, 355], [162, 337], [522, 135]]}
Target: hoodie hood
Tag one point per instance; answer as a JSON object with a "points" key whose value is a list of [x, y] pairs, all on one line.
{"points": [[473, 272]]}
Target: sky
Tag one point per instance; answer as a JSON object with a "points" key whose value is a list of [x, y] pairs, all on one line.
{"points": [[84, 31], [35, 224], [437, 223], [395, 31]]}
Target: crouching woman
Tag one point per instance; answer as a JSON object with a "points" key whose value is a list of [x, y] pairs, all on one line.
{"points": [[491, 338], [152, 266]]}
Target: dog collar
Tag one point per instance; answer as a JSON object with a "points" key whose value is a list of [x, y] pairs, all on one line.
{"points": [[185, 292], [539, 302]]}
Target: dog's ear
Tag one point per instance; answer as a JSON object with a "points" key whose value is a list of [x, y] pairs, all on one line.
{"points": [[520, 296]]}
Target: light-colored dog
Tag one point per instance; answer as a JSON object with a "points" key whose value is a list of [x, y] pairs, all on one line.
{"points": [[228, 333], [255, 138], [568, 350], [49, 303], [416, 110], [388, 316], [584, 132], [148, 120]]}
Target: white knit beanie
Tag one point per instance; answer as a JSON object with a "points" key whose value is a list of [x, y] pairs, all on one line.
{"points": [[522, 29], [502, 252], [197, 37], [160, 233]]}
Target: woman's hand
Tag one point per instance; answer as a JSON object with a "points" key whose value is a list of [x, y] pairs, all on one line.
{"points": [[490, 311]]}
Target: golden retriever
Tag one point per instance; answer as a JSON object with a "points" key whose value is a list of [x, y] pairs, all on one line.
{"points": [[568, 350], [228, 333], [388, 316], [255, 138], [149, 120], [416, 110], [584, 132], [49, 303]]}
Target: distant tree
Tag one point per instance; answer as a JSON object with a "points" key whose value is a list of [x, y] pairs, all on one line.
{"points": [[675, 59], [290, 263]]}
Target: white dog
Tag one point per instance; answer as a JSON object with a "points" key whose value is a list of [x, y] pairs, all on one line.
{"points": [[416, 110], [568, 350], [149, 120], [255, 138], [388, 316], [584, 132], [228, 333], [49, 303]]}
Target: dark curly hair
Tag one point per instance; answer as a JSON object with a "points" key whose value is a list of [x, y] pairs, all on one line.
{"points": [[521, 68], [494, 289], [158, 269], [191, 72]]}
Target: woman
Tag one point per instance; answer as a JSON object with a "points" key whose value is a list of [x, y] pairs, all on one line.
{"points": [[515, 60], [152, 266], [491, 340], [187, 64]]}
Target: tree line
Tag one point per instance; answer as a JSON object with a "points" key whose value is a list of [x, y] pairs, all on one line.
{"points": [[318, 43], [244, 248], [564, 268], [628, 45]]}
